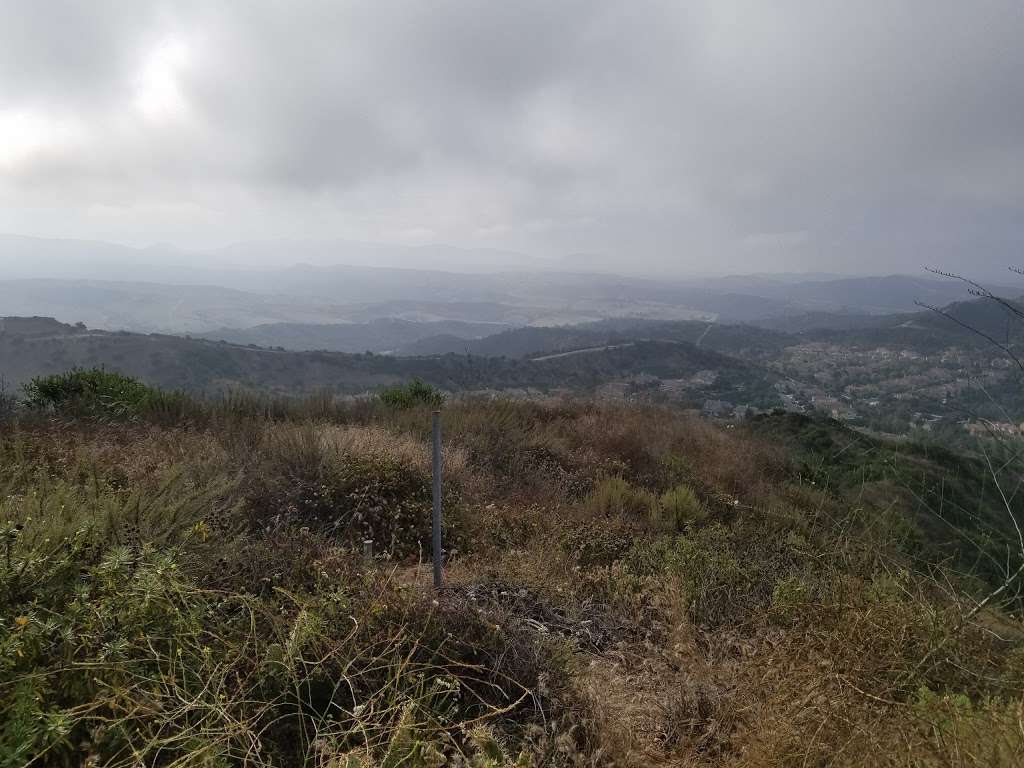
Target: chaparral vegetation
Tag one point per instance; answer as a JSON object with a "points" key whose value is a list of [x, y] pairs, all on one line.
{"points": [[246, 581]]}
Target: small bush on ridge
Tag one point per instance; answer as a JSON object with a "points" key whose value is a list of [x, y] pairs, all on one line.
{"points": [[98, 392], [416, 392]]}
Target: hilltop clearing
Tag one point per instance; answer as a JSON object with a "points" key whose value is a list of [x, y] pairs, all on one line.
{"points": [[188, 582]]}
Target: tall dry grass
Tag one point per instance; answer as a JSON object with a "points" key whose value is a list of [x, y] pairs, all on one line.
{"points": [[771, 623]]}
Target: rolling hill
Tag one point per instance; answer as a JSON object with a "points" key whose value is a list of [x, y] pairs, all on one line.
{"points": [[161, 289], [744, 341], [200, 365], [380, 335]]}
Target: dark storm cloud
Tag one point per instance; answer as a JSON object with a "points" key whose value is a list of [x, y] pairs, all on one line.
{"points": [[662, 135]]}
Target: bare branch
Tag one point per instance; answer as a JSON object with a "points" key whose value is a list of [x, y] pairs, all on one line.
{"points": [[993, 595], [1006, 503], [972, 329], [980, 291]]}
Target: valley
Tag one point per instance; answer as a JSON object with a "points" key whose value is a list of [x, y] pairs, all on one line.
{"points": [[894, 374]]}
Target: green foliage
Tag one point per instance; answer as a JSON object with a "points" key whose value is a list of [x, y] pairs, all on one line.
{"points": [[127, 660], [97, 392], [94, 608], [113, 651], [616, 497], [719, 587], [416, 392], [128, 624], [680, 507], [953, 506], [677, 508]]}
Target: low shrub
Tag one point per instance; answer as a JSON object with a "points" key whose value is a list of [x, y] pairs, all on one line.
{"points": [[601, 542], [100, 393], [301, 480], [128, 661], [988, 732], [416, 392], [136, 632], [617, 497], [718, 587], [789, 598], [680, 507]]}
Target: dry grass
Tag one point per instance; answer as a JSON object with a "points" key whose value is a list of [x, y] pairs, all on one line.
{"points": [[379, 442], [773, 623]]}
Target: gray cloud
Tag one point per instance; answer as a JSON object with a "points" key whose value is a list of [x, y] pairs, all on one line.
{"points": [[708, 136]]}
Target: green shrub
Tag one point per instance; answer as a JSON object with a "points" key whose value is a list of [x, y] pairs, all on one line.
{"points": [[718, 587], [114, 651], [616, 497], [674, 468], [679, 507], [414, 393], [98, 392], [125, 660]]}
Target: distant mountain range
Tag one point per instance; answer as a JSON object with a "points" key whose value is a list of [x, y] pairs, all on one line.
{"points": [[93, 259], [159, 290]]}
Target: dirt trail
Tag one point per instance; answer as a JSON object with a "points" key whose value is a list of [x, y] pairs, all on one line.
{"points": [[583, 351], [701, 338]]}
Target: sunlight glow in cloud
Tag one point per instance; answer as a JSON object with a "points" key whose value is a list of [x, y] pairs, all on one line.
{"points": [[158, 92], [30, 137]]}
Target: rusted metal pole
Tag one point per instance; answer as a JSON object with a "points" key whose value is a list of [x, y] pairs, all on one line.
{"points": [[437, 499]]}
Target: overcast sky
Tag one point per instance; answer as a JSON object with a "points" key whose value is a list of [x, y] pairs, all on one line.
{"points": [[849, 136]]}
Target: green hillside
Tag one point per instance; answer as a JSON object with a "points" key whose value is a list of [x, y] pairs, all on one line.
{"points": [[202, 366], [744, 341], [380, 335]]}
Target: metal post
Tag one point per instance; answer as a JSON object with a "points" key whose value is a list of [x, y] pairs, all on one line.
{"points": [[437, 499]]}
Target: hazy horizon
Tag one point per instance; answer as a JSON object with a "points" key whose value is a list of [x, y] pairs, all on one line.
{"points": [[77, 258], [269, 255], [710, 138]]}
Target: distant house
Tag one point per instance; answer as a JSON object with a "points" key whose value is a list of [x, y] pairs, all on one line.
{"points": [[719, 409]]}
